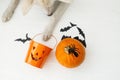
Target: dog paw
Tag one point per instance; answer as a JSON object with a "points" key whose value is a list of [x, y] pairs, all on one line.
{"points": [[49, 11], [47, 36], [7, 15]]}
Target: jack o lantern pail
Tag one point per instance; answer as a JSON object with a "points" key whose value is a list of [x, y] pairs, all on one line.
{"points": [[39, 50]]}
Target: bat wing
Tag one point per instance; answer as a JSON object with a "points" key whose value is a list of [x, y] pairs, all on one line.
{"points": [[27, 38], [26, 34], [81, 32], [65, 29], [82, 41], [63, 37], [72, 24], [19, 39]]}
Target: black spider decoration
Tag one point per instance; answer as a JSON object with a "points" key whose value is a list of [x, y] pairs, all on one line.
{"points": [[73, 50]]}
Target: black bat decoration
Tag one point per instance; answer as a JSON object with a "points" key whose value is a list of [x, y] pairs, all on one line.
{"points": [[77, 38], [81, 32], [63, 37], [68, 27], [73, 24], [82, 41], [65, 29], [24, 40]]}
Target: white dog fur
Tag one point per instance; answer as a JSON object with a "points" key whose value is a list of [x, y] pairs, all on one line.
{"points": [[55, 8]]}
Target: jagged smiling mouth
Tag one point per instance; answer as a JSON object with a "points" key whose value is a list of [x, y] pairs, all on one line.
{"points": [[35, 58]]}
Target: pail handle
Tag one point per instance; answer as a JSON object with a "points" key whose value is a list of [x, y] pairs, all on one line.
{"points": [[46, 41]]}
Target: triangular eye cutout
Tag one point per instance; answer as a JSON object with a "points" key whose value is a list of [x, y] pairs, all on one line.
{"points": [[33, 47], [43, 52], [36, 54]]}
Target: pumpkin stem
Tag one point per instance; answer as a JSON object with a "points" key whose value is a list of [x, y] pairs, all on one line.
{"points": [[67, 49]]}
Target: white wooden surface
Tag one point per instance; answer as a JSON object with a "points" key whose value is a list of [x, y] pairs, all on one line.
{"points": [[99, 19]]}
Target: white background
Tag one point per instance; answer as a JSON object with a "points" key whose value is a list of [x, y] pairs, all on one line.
{"points": [[100, 21]]}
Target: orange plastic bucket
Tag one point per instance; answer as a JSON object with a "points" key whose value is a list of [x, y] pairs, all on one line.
{"points": [[37, 52]]}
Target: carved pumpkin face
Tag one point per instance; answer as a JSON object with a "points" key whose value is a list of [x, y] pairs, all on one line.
{"points": [[37, 54]]}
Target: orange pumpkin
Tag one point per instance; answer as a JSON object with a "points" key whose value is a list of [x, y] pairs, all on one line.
{"points": [[70, 52]]}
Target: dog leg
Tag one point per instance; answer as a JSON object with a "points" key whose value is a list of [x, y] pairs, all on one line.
{"points": [[54, 20], [51, 9], [27, 5], [10, 10]]}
